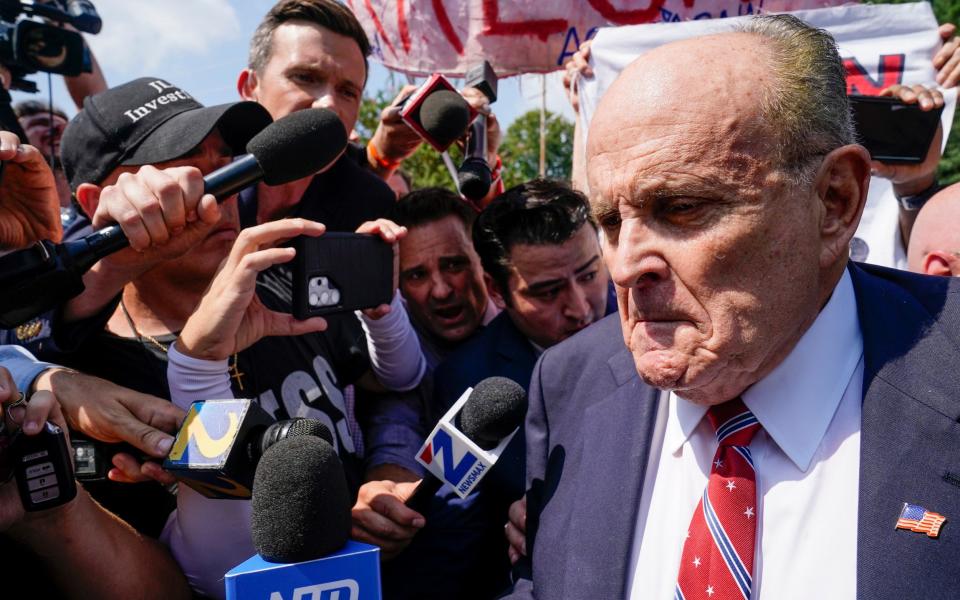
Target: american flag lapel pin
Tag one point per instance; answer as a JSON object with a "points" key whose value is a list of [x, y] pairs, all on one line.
{"points": [[917, 518]]}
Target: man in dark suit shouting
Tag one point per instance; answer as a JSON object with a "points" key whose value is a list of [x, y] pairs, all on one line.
{"points": [[765, 419]]}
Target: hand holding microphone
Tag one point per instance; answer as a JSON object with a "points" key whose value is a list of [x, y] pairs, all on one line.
{"points": [[45, 275]]}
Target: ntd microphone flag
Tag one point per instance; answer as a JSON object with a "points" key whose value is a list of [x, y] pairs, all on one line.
{"points": [[352, 573], [453, 457], [210, 453]]}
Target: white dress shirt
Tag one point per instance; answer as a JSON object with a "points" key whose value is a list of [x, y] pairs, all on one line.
{"points": [[807, 458]]}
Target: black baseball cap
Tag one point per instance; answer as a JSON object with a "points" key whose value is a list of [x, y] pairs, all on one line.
{"points": [[148, 121]]}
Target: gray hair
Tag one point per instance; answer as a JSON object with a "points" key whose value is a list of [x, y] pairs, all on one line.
{"points": [[807, 107]]}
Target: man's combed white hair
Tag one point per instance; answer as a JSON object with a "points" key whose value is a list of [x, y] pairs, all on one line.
{"points": [[806, 108]]}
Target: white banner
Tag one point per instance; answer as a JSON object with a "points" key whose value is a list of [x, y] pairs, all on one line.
{"points": [[421, 37], [880, 45]]}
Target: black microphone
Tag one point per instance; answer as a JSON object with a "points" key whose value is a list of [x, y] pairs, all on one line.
{"points": [[495, 408], [45, 275], [444, 115], [301, 502], [436, 112], [474, 176], [221, 442], [301, 530]]}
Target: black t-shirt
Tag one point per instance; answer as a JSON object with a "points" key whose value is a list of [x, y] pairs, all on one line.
{"points": [[301, 376], [342, 198]]}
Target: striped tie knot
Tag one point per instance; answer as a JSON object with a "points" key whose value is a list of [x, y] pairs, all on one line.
{"points": [[734, 423]]}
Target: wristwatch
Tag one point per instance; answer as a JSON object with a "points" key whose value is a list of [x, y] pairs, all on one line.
{"points": [[916, 201]]}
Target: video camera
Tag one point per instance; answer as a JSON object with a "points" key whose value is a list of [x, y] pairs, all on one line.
{"points": [[28, 45]]}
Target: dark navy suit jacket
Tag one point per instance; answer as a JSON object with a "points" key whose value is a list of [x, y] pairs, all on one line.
{"points": [[462, 553], [591, 418]]}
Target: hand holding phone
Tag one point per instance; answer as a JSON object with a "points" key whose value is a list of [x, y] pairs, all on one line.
{"points": [[893, 129], [341, 272]]}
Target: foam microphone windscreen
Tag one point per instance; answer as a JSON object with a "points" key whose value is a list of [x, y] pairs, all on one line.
{"points": [[301, 504], [444, 115], [474, 178], [496, 407], [298, 145]]}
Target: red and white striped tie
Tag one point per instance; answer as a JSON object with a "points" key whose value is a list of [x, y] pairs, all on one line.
{"points": [[717, 561]]}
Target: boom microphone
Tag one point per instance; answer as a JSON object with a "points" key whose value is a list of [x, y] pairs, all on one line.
{"points": [[487, 419], [301, 512], [221, 442], [45, 275]]}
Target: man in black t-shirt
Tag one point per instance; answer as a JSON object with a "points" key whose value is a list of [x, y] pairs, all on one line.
{"points": [[300, 376], [313, 54]]}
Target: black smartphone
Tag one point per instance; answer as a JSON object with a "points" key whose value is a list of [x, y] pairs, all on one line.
{"points": [[340, 272], [894, 132]]}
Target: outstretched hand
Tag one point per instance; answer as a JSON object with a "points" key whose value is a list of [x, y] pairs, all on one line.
{"points": [[911, 179], [390, 233], [29, 204], [230, 317], [575, 67]]}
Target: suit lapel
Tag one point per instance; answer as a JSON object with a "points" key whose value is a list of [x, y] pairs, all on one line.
{"points": [[515, 353], [616, 440], [909, 442]]}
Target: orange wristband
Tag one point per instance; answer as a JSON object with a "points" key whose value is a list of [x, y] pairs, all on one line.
{"points": [[383, 163]]}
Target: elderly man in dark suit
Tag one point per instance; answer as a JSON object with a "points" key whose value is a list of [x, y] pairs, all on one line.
{"points": [[767, 419]]}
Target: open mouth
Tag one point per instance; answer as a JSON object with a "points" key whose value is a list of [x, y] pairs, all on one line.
{"points": [[449, 313]]}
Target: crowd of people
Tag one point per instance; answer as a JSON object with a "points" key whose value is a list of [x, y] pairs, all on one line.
{"points": [[684, 314]]}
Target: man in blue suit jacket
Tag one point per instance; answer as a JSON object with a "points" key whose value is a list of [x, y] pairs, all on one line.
{"points": [[542, 267], [727, 215]]}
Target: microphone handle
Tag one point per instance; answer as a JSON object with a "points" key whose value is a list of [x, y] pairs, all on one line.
{"points": [[222, 183], [232, 178], [423, 495]]}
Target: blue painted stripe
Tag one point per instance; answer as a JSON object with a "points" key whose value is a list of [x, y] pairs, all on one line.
{"points": [[733, 422], [739, 571], [739, 427], [678, 594], [745, 453]]}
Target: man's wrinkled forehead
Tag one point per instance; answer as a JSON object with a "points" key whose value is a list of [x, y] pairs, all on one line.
{"points": [[691, 98], [684, 80]]}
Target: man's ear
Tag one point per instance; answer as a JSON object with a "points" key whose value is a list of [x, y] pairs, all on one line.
{"points": [[941, 262], [88, 196], [247, 84], [493, 290], [841, 184]]}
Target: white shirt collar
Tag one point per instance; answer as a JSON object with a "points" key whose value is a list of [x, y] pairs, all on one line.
{"points": [[797, 400]]}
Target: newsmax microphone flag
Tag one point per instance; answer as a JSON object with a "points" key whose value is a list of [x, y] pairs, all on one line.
{"points": [[469, 439]]}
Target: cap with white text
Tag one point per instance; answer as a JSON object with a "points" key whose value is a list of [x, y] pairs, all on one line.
{"points": [[148, 121]]}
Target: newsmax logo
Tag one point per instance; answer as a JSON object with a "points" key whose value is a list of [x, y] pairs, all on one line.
{"points": [[461, 474]]}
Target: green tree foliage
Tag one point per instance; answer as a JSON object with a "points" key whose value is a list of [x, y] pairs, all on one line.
{"points": [[520, 148]]}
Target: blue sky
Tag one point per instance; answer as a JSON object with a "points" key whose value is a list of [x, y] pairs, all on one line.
{"points": [[201, 46]]}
